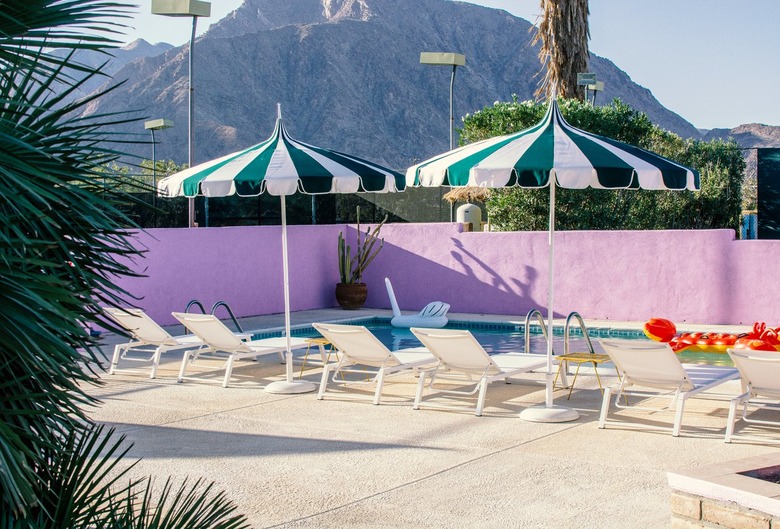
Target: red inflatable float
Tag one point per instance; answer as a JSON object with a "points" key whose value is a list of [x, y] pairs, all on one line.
{"points": [[761, 338]]}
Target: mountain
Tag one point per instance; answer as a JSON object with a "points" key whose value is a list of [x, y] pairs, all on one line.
{"points": [[348, 77], [749, 135], [117, 60]]}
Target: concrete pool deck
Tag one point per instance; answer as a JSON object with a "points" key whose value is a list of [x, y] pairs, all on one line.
{"points": [[293, 461]]}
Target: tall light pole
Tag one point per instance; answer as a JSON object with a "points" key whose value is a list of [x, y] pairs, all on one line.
{"points": [[446, 59], [194, 9], [152, 125], [436, 58]]}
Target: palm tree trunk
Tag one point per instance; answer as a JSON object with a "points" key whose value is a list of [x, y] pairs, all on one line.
{"points": [[564, 34]]}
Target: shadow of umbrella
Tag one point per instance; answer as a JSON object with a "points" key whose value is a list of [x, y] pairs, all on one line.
{"points": [[282, 166]]}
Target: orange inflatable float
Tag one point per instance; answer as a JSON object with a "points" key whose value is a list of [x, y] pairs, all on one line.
{"points": [[761, 338]]}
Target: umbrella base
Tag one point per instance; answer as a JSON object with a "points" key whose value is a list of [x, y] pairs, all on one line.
{"points": [[552, 414], [292, 387]]}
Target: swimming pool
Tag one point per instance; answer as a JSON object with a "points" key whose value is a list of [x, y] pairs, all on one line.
{"points": [[502, 337]]}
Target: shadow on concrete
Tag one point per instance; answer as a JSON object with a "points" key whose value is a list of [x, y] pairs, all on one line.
{"points": [[165, 442]]}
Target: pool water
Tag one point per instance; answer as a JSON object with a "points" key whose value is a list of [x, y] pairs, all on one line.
{"points": [[771, 474], [501, 337]]}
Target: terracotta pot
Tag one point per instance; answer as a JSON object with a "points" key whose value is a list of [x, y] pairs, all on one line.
{"points": [[351, 296]]}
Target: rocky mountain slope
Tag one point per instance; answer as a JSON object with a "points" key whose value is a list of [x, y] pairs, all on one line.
{"points": [[749, 135], [347, 75], [119, 58]]}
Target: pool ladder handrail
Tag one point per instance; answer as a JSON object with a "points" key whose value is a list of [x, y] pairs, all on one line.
{"points": [[214, 307], [583, 328], [195, 302], [224, 304], [540, 319]]}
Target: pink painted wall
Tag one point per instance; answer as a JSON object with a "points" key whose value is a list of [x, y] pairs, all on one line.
{"points": [[239, 265], [687, 276]]}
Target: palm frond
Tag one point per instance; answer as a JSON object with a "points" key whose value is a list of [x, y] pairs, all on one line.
{"points": [[189, 506], [26, 27], [61, 245]]}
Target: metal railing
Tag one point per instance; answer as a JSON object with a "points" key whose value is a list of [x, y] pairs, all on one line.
{"points": [[195, 302], [567, 326], [214, 307], [540, 319], [219, 304]]}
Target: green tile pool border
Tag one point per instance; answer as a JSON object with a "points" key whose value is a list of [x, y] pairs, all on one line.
{"points": [[593, 332]]}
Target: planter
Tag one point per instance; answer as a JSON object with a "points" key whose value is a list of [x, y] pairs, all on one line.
{"points": [[351, 296]]}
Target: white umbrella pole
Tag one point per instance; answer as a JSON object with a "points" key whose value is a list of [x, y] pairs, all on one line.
{"points": [[288, 385], [549, 412], [285, 271], [549, 380]]}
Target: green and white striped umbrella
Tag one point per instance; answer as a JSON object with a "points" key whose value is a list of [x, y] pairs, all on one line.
{"points": [[282, 166], [552, 151]]}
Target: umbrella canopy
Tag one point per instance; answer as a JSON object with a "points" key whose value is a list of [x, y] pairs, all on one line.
{"points": [[282, 166], [552, 152]]}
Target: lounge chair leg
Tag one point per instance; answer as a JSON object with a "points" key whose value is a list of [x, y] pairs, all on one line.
{"points": [[678, 416], [605, 408], [733, 414], [323, 382], [481, 398], [228, 371], [420, 389], [563, 372], [730, 423], [183, 367], [155, 362], [380, 380], [115, 359]]}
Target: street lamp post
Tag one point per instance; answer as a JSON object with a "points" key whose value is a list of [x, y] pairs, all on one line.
{"points": [[435, 58], [194, 9], [446, 59], [152, 125]]}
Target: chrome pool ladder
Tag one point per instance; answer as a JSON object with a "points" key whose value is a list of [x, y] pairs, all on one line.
{"points": [[214, 307], [527, 329]]}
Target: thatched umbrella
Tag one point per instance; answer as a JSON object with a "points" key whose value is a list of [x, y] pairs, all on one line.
{"points": [[467, 194]]}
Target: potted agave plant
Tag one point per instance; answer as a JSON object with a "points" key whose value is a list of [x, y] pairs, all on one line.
{"points": [[351, 292]]}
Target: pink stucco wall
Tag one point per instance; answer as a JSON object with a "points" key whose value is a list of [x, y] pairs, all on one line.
{"points": [[702, 276]]}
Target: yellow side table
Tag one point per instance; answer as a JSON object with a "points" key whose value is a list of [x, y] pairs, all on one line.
{"points": [[579, 359], [321, 344]]}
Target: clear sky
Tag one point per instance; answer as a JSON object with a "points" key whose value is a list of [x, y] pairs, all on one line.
{"points": [[714, 62]]}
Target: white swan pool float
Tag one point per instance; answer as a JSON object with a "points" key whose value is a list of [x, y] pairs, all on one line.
{"points": [[433, 315]]}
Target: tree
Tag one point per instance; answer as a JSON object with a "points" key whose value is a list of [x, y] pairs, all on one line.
{"points": [[564, 35], [721, 166], [62, 239]]}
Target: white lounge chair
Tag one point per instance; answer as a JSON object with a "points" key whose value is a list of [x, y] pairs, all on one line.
{"points": [[362, 353], [461, 357], [760, 374], [148, 339], [220, 342], [654, 366], [433, 315]]}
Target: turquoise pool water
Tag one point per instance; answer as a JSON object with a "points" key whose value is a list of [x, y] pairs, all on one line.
{"points": [[499, 337]]}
